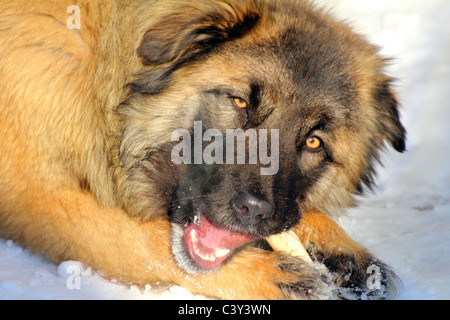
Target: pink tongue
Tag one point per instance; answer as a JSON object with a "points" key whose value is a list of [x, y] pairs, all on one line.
{"points": [[209, 245], [213, 236]]}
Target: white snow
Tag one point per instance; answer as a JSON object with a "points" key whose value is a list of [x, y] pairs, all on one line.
{"points": [[406, 222]]}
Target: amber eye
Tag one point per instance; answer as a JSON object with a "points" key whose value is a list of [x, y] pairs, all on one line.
{"points": [[313, 143], [240, 103]]}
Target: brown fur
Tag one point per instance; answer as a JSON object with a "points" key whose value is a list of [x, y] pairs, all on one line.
{"points": [[86, 116]]}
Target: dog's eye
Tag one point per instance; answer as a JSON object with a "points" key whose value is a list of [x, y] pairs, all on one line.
{"points": [[314, 143], [240, 103]]}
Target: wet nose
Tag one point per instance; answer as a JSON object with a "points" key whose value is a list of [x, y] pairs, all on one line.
{"points": [[250, 209]]}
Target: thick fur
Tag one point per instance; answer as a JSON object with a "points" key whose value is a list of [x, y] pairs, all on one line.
{"points": [[85, 138]]}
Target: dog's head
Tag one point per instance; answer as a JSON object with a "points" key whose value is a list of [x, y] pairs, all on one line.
{"points": [[246, 115]]}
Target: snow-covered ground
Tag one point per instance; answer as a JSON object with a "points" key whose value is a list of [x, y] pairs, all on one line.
{"points": [[406, 222]]}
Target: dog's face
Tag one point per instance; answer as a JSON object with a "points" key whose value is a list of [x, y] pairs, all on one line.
{"points": [[308, 94]]}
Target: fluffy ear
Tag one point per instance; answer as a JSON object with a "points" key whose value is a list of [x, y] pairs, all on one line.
{"points": [[195, 30], [389, 120], [186, 36]]}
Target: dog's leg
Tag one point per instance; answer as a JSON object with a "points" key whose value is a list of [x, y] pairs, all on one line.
{"points": [[356, 271], [72, 225]]}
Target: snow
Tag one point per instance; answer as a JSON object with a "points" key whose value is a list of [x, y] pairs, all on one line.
{"points": [[406, 222]]}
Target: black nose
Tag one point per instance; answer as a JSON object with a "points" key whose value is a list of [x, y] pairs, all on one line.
{"points": [[250, 209]]}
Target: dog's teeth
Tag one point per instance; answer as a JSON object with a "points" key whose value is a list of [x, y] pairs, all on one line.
{"points": [[205, 256], [197, 219], [212, 256], [220, 252], [194, 236], [197, 250], [199, 253]]}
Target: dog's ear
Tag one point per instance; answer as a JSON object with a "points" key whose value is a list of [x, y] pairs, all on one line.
{"points": [[187, 35], [194, 31], [387, 106]]}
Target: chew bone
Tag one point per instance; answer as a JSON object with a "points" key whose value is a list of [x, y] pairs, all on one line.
{"points": [[289, 243]]}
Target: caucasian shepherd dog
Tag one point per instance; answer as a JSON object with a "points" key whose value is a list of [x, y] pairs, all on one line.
{"points": [[90, 99]]}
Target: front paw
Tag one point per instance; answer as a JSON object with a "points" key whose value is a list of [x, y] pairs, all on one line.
{"points": [[359, 276], [298, 279]]}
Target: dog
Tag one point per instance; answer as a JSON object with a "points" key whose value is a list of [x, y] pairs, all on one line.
{"points": [[120, 130]]}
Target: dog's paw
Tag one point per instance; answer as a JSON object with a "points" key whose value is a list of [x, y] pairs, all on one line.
{"points": [[302, 280], [359, 277], [371, 281]]}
